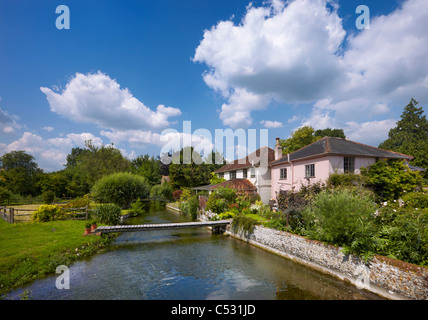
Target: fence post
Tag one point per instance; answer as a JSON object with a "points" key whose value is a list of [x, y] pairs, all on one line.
{"points": [[11, 215], [86, 211]]}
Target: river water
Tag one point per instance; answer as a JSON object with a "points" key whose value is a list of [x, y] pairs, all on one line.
{"points": [[189, 264]]}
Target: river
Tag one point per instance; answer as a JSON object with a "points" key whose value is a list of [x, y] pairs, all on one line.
{"points": [[189, 264]]}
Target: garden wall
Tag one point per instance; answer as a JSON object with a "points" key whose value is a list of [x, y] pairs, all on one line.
{"points": [[389, 278]]}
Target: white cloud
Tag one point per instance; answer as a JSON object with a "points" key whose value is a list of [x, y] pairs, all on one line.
{"points": [[48, 129], [96, 98], [371, 132], [50, 154], [271, 124], [294, 52], [277, 52], [8, 123]]}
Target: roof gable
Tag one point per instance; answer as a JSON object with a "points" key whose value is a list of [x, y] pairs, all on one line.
{"points": [[252, 159]]}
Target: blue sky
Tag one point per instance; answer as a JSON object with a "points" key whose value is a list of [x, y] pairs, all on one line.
{"points": [[127, 70]]}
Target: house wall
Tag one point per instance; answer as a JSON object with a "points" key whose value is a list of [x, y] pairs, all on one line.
{"points": [[336, 163], [296, 174], [324, 166], [262, 181]]}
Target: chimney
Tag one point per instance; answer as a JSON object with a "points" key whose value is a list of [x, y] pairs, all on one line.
{"points": [[278, 150]]}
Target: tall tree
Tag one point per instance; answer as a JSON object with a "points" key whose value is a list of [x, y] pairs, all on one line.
{"points": [[321, 133], [196, 173], [20, 172], [149, 168], [410, 136], [301, 137], [101, 161]]}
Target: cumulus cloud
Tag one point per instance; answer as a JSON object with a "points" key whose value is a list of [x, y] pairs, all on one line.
{"points": [[48, 128], [96, 98], [287, 53], [8, 123], [51, 154], [271, 124], [296, 53]]}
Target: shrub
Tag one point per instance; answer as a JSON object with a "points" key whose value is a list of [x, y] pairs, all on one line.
{"points": [[343, 218], [137, 207], [79, 202], [108, 213], [415, 200], [243, 224], [406, 237], [220, 199], [391, 179], [121, 188], [5, 196], [345, 180], [190, 207], [227, 215], [177, 194], [215, 205], [46, 213], [161, 192], [48, 196]]}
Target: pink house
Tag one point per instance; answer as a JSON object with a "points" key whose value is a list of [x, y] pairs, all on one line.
{"points": [[315, 162]]}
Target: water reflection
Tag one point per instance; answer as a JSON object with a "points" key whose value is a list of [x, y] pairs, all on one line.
{"points": [[190, 264]]}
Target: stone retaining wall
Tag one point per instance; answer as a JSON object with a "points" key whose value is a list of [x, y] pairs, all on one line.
{"points": [[389, 278]]}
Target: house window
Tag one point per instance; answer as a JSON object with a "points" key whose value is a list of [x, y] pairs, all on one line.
{"points": [[283, 174], [232, 175], [221, 175], [310, 171], [244, 174], [253, 172], [348, 164]]}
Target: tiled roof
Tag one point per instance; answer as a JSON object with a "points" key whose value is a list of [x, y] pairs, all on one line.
{"points": [[339, 146], [237, 184], [247, 162]]}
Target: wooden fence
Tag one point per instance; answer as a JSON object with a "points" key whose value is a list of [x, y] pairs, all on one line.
{"points": [[12, 215]]}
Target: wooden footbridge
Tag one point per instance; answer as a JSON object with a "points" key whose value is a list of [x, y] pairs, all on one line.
{"points": [[216, 226]]}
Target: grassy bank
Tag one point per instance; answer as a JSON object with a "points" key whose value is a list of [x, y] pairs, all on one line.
{"points": [[29, 251]]}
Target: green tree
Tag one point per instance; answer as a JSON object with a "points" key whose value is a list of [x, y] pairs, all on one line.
{"points": [[193, 172], [20, 172], [55, 181], [410, 136], [149, 168], [73, 159], [300, 138], [120, 188], [390, 179], [85, 166], [303, 136], [330, 133]]}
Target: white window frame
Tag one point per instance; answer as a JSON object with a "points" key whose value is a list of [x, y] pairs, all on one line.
{"points": [[310, 170]]}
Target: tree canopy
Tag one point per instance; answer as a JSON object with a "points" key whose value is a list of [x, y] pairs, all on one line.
{"points": [[410, 136], [19, 172], [305, 135], [193, 174]]}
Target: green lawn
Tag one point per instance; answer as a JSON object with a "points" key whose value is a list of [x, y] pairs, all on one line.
{"points": [[31, 250]]}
